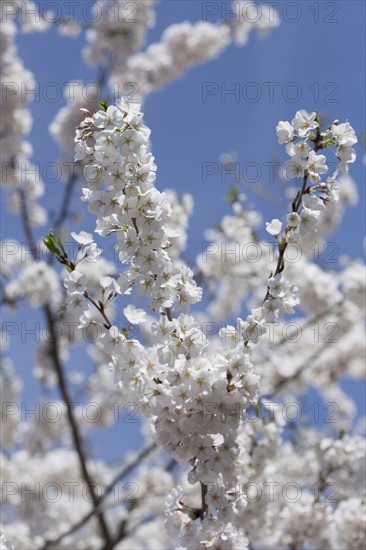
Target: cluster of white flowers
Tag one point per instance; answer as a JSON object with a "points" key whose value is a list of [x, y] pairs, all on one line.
{"points": [[309, 520], [195, 390], [182, 208], [250, 16], [182, 46], [182, 385], [283, 494], [349, 524], [62, 128], [30, 17], [121, 176], [11, 386], [36, 282], [117, 36], [330, 217], [232, 260], [4, 543], [119, 30], [52, 494], [185, 387], [185, 45], [18, 173], [333, 337], [306, 163]]}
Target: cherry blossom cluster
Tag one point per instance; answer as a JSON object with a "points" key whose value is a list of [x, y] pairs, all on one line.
{"points": [[29, 17], [310, 210], [303, 139], [234, 258], [184, 387], [270, 467], [304, 128], [306, 164], [119, 30], [310, 200], [116, 39], [252, 16], [186, 44], [233, 261], [182, 46], [121, 173], [195, 391], [36, 282], [20, 176]]}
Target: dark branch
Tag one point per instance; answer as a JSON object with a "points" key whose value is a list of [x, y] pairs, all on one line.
{"points": [[55, 356], [100, 500]]}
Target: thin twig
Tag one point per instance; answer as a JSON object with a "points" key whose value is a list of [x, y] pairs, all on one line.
{"points": [[307, 324], [61, 379], [124, 473], [203, 498], [122, 530], [76, 434], [100, 308], [284, 381]]}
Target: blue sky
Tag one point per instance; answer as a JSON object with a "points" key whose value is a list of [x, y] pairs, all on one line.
{"points": [[320, 63], [317, 52]]}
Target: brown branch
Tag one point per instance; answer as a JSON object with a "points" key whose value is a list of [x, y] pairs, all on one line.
{"points": [[122, 530], [100, 308], [295, 208], [203, 498], [124, 473], [169, 313], [287, 380], [307, 324], [284, 381], [55, 356], [76, 434]]}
